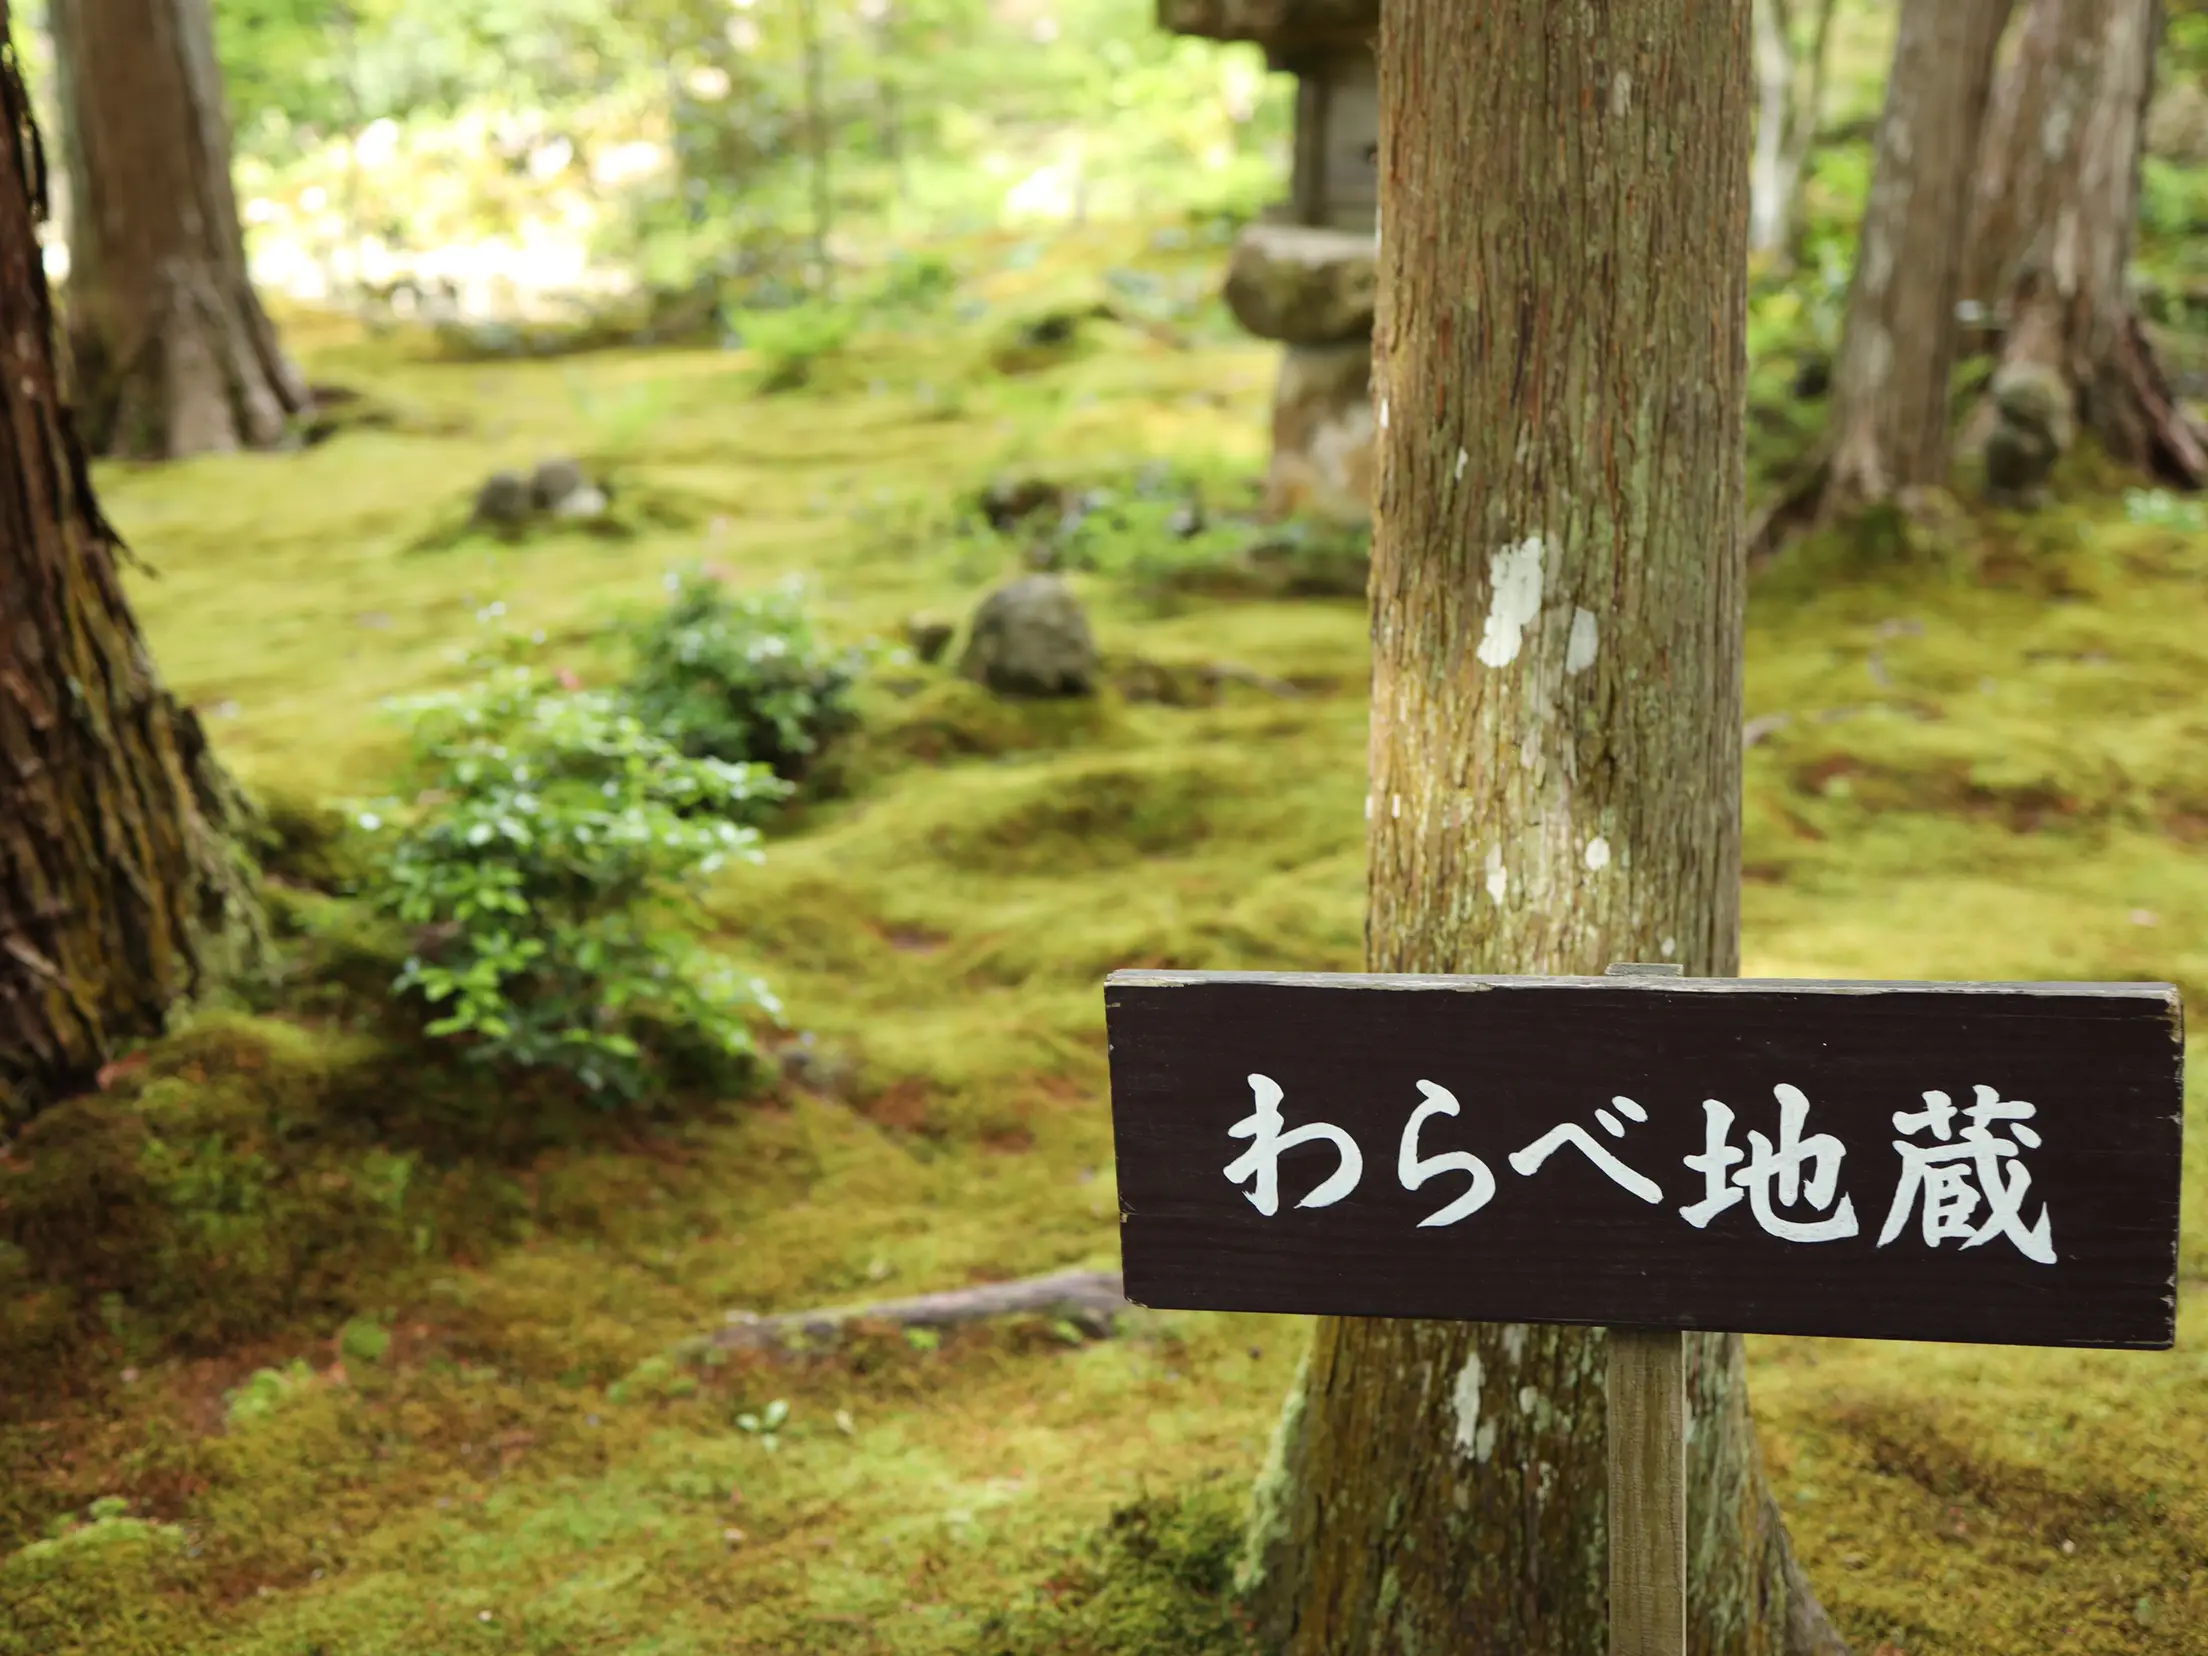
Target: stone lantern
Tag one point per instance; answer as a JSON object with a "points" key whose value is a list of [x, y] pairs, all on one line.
{"points": [[1305, 275]]}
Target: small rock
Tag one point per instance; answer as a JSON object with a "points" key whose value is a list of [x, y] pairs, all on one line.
{"points": [[2033, 406], [1009, 501], [929, 637], [1032, 638], [504, 501], [585, 505], [554, 482]]}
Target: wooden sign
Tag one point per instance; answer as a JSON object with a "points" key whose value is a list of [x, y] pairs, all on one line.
{"points": [[1995, 1163]]}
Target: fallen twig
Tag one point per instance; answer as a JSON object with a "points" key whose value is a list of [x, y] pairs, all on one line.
{"points": [[1089, 1300]]}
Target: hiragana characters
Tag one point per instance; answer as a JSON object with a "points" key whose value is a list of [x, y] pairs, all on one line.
{"points": [[1767, 1162], [1953, 1176], [1262, 1160], [1529, 1160], [1415, 1171]]}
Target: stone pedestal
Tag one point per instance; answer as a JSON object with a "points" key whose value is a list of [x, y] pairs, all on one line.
{"points": [[1313, 291], [1309, 282], [1323, 460]]}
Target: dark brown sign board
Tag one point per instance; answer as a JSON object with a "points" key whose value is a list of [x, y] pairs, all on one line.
{"points": [[1995, 1163]]}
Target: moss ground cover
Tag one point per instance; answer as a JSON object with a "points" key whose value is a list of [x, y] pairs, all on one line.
{"points": [[507, 1433]]}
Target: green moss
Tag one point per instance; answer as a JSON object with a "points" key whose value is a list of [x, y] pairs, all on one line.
{"points": [[1155, 1582], [2016, 734]]}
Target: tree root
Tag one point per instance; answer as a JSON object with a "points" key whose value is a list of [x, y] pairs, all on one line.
{"points": [[1090, 1300]]}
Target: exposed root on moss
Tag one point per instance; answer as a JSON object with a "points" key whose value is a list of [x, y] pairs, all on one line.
{"points": [[1090, 1300]]}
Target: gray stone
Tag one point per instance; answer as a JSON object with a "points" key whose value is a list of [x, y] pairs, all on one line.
{"points": [[584, 505], [1303, 285], [1010, 501], [2032, 427], [503, 501], [929, 637], [554, 482], [1323, 434], [1032, 638]]}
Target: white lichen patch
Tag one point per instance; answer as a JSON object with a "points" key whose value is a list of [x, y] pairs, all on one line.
{"points": [[1579, 652], [1598, 854], [1464, 1406], [1498, 881], [1514, 577], [1463, 460]]}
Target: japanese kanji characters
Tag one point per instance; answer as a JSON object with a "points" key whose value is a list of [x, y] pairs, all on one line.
{"points": [[1968, 1186], [1771, 1164], [1950, 1178]]}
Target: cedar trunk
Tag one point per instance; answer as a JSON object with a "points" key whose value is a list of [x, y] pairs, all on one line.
{"points": [[1889, 430], [172, 354], [2058, 195], [115, 875], [1557, 621]]}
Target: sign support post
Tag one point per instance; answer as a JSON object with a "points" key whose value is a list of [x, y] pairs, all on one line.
{"points": [[1647, 1449]]}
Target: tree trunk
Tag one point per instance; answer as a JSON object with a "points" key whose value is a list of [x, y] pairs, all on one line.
{"points": [[1790, 101], [1557, 594], [816, 139], [171, 352], [1889, 429], [115, 873], [2058, 197]]}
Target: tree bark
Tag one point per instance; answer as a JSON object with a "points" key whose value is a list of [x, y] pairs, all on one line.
{"points": [[171, 352], [2058, 196], [1557, 593], [116, 877], [1790, 101], [1889, 430]]}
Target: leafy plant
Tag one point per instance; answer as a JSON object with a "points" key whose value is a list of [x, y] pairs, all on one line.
{"points": [[766, 1425], [553, 840], [2163, 510], [741, 678]]}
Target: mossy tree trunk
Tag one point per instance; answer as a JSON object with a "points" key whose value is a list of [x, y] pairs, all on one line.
{"points": [[115, 872], [1555, 768], [171, 352], [2058, 194], [1889, 420]]}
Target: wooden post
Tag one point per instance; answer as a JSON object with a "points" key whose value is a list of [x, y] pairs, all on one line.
{"points": [[1648, 1475]]}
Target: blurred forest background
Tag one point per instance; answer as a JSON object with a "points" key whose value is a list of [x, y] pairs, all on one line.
{"points": [[706, 569]]}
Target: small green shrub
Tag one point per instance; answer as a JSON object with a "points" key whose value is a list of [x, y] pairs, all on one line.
{"points": [[742, 679], [544, 859]]}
